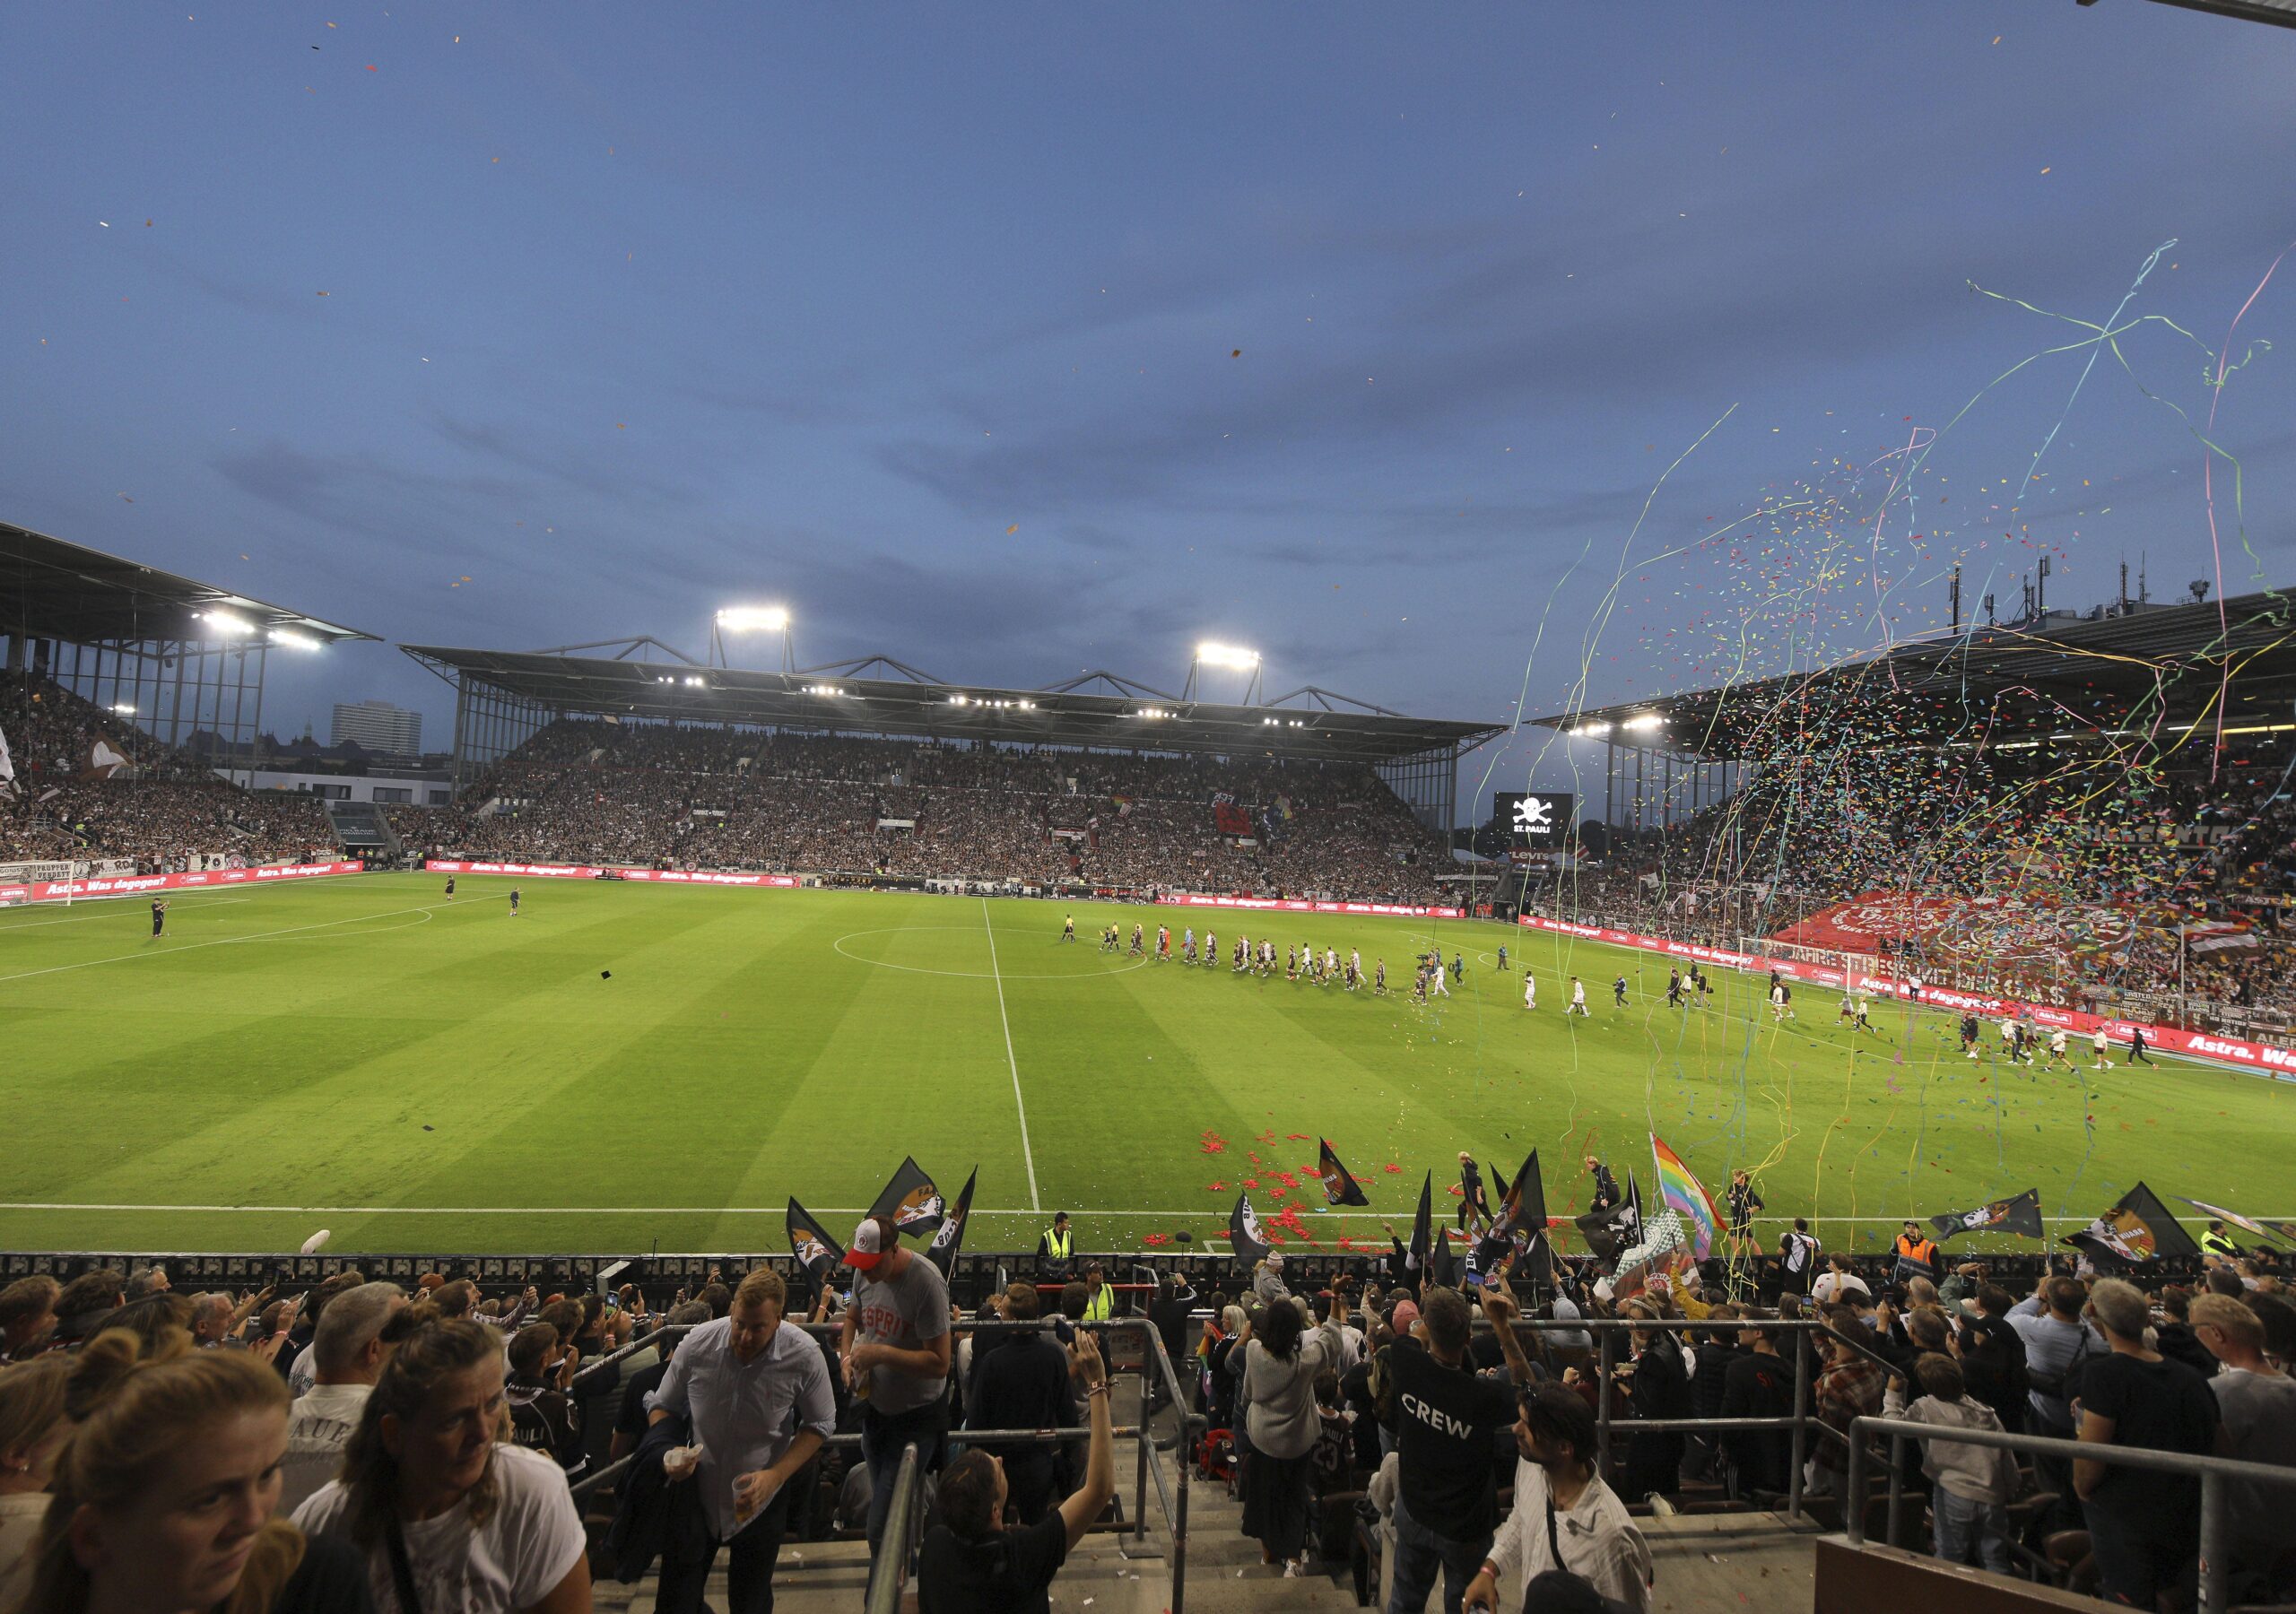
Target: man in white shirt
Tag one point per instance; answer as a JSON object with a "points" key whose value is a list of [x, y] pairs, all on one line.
{"points": [[1565, 1519], [1839, 1284], [757, 1397], [347, 1356]]}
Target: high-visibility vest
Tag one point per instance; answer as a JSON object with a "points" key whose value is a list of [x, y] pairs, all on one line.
{"points": [[2217, 1244], [1059, 1244], [1099, 1304], [1922, 1249]]}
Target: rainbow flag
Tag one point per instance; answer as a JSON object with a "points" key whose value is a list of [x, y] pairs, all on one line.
{"points": [[1687, 1199]]}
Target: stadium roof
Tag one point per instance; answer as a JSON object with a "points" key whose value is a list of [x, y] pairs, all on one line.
{"points": [[2063, 676], [51, 589], [1309, 722]]}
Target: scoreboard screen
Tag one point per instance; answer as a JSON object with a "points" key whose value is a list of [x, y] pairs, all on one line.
{"points": [[1537, 820]]}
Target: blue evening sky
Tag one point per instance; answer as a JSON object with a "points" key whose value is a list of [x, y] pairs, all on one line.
{"points": [[1018, 340]]}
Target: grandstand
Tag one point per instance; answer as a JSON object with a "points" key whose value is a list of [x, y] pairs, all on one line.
{"points": [[1101, 783], [2085, 810]]}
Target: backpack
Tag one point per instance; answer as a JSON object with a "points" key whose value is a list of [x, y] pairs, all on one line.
{"points": [[2064, 1385]]}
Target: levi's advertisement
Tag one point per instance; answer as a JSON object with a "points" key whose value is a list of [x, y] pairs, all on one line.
{"points": [[2280, 1063], [136, 885]]}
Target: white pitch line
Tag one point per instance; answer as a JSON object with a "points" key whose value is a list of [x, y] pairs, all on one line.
{"points": [[8, 930], [169, 952], [840, 1211], [1028, 1156]]}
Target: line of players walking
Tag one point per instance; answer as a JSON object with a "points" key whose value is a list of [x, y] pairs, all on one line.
{"points": [[1432, 977]]}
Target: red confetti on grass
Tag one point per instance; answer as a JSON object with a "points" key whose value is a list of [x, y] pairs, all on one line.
{"points": [[1215, 1187], [1296, 1137], [1393, 1169]]}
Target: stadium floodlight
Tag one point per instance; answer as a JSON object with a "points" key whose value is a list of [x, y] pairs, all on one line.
{"points": [[754, 619], [1647, 720], [123, 708], [1592, 730], [225, 625], [294, 641], [692, 680], [1235, 657]]}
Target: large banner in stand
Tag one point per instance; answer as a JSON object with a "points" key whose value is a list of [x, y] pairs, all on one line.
{"points": [[2277, 1063], [139, 885], [1292, 905]]}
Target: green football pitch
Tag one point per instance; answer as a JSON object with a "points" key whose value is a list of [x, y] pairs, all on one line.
{"points": [[626, 1067]]}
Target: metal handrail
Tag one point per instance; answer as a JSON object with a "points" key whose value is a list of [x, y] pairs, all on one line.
{"points": [[2215, 1474], [889, 1570]]}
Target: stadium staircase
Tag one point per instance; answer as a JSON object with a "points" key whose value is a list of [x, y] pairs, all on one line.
{"points": [[1711, 1556], [360, 828]]}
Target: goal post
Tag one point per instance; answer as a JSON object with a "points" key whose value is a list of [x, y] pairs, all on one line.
{"points": [[26, 882]]}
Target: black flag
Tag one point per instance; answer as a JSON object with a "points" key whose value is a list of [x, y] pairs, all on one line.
{"points": [[911, 1199], [1619, 1228], [1521, 1221], [1423, 1228], [1339, 1188], [2138, 1228], [1243, 1236], [1442, 1266], [811, 1244], [2021, 1214], [942, 1251]]}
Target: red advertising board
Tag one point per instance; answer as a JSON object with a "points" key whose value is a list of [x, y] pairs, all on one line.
{"points": [[2279, 1063], [139, 885], [1288, 905], [584, 871]]}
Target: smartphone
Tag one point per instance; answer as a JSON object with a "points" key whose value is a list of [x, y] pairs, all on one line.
{"points": [[1064, 1331]]}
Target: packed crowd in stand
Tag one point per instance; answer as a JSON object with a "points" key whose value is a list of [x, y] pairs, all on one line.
{"points": [[2168, 847], [364, 1445], [592, 792]]}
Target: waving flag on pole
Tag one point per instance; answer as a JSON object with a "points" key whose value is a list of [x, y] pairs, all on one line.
{"points": [[2234, 1217], [1244, 1235], [1422, 1242], [911, 1199], [1687, 1198], [1619, 1228], [2136, 1229], [1521, 1221], [811, 1244], [942, 1251], [2019, 1214], [1339, 1187]]}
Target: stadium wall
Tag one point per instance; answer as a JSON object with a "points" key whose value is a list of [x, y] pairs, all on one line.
{"points": [[139, 885], [2280, 1064]]}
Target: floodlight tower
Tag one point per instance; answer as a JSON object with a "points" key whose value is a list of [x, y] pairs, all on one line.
{"points": [[1235, 658], [751, 618]]}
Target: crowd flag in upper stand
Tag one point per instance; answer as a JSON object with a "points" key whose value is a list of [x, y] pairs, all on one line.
{"points": [[810, 1242], [1520, 1226], [1619, 1228], [1339, 1188], [1243, 1236], [1687, 1198], [2137, 1229], [911, 1199], [1422, 1227], [7, 769], [2245, 1224], [2019, 1214], [942, 1251]]}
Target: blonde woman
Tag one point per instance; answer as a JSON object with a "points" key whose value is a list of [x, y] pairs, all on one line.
{"points": [[160, 1499], [33, 1428]]}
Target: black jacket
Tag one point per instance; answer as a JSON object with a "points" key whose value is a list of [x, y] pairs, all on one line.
{"points": [[652, 1517]]}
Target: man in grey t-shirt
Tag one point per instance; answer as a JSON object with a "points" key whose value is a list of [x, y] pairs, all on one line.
{"points": [[895, 1349]]}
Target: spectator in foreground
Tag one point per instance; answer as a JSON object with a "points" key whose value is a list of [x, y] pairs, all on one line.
{"points": [[2143, 1525], [353, 1341], [1561, 1506], [33, 1428], [542, 1416], [1446, 1422], [1972, 1484], [1760, 1383], [428, 1485], [756, 1396], [161, 1499], [897, 1349], [631, 1422], [27, 1317], [2257, 1404], [2058, 1343], [1022, 1381], [970, 1563], [1279, 1368]]}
